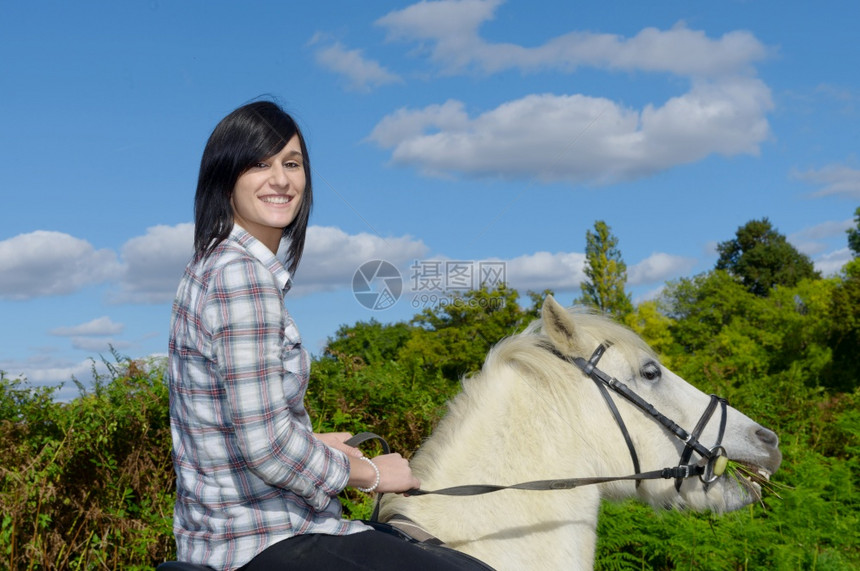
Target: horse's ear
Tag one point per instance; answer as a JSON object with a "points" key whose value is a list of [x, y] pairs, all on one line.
{"points": [[558, 325]]}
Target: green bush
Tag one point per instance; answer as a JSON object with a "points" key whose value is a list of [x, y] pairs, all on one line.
{"points": [[87, 484]]}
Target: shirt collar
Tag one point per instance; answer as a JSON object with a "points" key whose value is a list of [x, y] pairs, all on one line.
{"points": [[256, 248]]}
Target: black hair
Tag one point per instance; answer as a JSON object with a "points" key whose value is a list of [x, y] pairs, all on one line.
{"points": [[243, 138]]}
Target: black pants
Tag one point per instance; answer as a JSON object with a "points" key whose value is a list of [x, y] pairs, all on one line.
{"points": [[379, 549]]}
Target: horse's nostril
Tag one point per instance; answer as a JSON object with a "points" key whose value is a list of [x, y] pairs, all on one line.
{"points": [[769, 437]]}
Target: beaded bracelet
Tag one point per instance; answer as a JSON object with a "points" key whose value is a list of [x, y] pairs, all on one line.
{"points": [[372, 488]]}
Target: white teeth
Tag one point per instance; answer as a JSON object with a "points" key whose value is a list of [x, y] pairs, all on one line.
{"points": [[764, 474], [276, 199]]}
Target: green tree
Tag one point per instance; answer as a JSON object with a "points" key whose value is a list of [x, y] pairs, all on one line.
{"points": [[716, 338], [761, 258], [606, 273], [844, 328], [653, 326], [454, 336], [854, 234], [729, 338], [371, 342]]}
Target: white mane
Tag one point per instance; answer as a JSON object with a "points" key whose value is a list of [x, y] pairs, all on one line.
{"points": [[529, 355]]}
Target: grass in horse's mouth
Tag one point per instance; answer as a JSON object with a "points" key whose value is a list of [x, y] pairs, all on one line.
{"points": [[752, 479]]}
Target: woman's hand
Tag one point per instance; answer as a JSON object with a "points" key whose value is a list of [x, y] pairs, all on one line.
{"points": [[337, 441], [395, 475]]}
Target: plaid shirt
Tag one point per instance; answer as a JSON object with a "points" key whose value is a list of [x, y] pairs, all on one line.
{"points": [[249, 471]]}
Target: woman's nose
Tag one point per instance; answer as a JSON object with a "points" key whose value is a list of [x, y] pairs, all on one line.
{"points": [[278, 176]]}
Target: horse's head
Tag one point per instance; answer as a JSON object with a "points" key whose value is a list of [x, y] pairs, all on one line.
{"points": [[654, 440]]}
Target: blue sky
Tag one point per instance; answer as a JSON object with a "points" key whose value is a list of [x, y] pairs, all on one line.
{"points": [[447, 131]]}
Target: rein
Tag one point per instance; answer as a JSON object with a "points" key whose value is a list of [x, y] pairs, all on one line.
{"points": [[707, 473]]}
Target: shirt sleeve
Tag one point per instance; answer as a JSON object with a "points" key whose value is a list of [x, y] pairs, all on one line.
{"points": [[246, 316]]}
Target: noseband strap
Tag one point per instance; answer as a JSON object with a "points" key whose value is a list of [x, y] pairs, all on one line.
{"points": [[697, 432]]}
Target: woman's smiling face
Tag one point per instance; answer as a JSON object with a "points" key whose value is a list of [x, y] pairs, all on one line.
{"points": [[267, 196]]}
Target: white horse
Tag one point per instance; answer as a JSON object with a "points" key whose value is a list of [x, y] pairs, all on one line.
{"points": [[531, 415]]}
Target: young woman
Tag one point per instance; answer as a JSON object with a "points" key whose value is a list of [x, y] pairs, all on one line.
{"points": [[256, 488]]}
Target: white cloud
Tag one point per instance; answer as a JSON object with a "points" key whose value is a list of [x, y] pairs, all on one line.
{"points": [[46, 263], [452, 25], [824, 230], [575, 137], [362, 73], [565, 271], [835, 92], [102, 345], [649, 295], [579, 138], [451, 30], [833, 179], [709, 249], [97, 327], [832, 262], [659, 267], [405, 124], [44, 370], [845, 98], [48, 369], [154, 264], [332, 256], [562, 271], [811, 241]]}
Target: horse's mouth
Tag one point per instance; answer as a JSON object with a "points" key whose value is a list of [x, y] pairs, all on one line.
{"points": [[751, 477]]}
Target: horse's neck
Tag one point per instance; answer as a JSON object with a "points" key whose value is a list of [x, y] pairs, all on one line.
{"points": [[503, 433], [512, 428]]}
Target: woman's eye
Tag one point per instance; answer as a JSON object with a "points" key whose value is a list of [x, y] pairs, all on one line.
{"points": [[292, 165], [651, 371], [260, 165]]}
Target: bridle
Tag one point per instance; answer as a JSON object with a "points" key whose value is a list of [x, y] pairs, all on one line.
{"points": [[707, 473]]}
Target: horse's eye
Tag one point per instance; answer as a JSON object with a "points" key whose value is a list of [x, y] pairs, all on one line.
{"points": [[651, 371]]}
